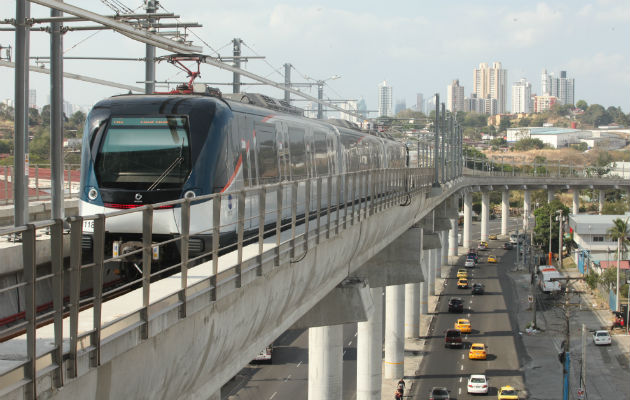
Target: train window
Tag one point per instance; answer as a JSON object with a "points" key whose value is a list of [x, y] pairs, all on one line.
{"points": [[321, 153], [266, 149], [298, 152], [144, 153]]}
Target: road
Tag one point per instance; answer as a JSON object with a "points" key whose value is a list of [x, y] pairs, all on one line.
{"points": [[287, 377], [492, 324]]}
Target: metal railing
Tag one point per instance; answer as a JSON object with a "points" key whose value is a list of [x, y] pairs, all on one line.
{"points": [[304, 213], [39, 183], [508, 167]]}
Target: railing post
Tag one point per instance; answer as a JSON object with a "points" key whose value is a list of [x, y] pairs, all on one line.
{"points": [[56, 259], [262, 202], [37, 182], [97, 288], [294, 200], [319, 208], [279, 197], [147, 252], [216, 234], [354, 196], [307, 210], [76, 232], [240, 230], [346, 196], [185, 244], [340, 178], [30, 272], [328, 203]]}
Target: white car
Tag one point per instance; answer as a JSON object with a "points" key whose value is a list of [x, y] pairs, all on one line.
{"points": [[602, 338], [470, 263], [478, 384]]}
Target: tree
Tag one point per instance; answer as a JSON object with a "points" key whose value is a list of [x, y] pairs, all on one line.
{"points": [[528, 144], [582, 105], [541, 229], [614, 208], [498, 142], [504, 124], [596, 115], [620, 231], [524, 122]]}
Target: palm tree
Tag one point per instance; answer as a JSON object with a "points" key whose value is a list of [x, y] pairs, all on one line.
{"points": [[621, 232]]}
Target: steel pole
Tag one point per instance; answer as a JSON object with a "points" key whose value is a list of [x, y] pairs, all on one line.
{"points": [[56, 116], [236, 77], [442, 138], [149, 63], [436, 148], [287, 82], [20, 192], [320, 97]]}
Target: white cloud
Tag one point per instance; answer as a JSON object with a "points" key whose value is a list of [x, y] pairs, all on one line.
{"points": [[531, 27]]}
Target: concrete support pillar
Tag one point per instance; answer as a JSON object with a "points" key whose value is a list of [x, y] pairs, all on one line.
{"points": [[412, 310], [527, 207], [576, 201], [370, 350], [467, 219], [445, 245], [550, 194], [505, 211], [424, 297], [432, 268], [485, 210], [452, 238], [325, 362], [602, 200], [394, 332]]}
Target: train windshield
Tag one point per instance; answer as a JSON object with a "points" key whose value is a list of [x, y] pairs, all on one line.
{"points": [[147, 153]]}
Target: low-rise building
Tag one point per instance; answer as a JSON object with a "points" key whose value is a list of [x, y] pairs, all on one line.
{"points": [[554, 137]]}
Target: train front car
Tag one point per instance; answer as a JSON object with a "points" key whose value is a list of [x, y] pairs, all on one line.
{"points": [[141, 150]]}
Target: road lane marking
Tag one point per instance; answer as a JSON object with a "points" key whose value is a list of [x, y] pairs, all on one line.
{"points": [[300, 363], [462, 367], [355, 334], [460, 379], [287, 378], [460, 391], [344, 352], [462, 359], [349, 343], [273, 395]]}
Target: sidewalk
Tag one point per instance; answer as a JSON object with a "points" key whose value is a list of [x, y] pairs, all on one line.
{"points": [[607, 367]]}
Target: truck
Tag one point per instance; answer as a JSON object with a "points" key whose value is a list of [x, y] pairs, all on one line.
{"points": [[546, 282]]}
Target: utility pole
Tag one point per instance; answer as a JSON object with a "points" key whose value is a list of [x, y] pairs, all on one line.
{"points": [[20, 144], [436, 148], [550, 239], [566, 370], [320, 97], [287, 82], [532, 269], [149, 66], [583, 365], [560, 221], [236, 78], [443, 139]]}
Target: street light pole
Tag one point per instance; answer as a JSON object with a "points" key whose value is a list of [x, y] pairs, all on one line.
{"points": [[550, 239], [560, 221]]}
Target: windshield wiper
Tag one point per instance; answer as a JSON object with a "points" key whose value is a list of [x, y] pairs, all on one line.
{"points": [[168, 169]]}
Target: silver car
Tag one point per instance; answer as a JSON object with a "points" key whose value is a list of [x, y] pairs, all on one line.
{"points": [[602, 338]]}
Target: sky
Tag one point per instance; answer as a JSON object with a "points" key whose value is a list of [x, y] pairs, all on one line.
{"points": [[416, 46]]}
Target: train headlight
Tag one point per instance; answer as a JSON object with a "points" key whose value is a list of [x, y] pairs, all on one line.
{"points": [[92, 194], [189, 195]]}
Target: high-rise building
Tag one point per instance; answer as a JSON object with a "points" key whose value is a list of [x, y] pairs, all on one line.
{"points": [[491, 81], [521, 96], [385, 102], [32, 98], [455, 97], [350, 105], [401, 105], [562, 88], [419, 102], [544, 102]]}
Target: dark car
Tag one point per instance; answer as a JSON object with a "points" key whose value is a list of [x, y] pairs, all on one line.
{"points": [[474, 256], [508, 246], [455, 304], [453, 338], [477, 288], [439, 393]]}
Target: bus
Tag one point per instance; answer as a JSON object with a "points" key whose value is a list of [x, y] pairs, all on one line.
{"points": [[545, 275]]}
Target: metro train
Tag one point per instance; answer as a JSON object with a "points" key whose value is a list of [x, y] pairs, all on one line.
{"points": [[147, 149]]}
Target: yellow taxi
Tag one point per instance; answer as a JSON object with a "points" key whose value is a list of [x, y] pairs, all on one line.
{"points": [[507, 393], [478, 351], [462, 283], [492, 259], [492, 237], [463, 325], [462, 273]]}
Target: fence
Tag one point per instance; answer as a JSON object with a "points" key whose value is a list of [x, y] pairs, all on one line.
{"points": [[39, 183]]}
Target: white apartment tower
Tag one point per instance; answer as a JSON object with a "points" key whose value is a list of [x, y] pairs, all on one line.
{"points": [[385, 101], [521, 96], [455, 97], [563, 88], [491, 81]]}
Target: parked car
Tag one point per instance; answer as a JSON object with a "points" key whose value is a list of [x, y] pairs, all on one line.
{"points": [[453, 338], [439, 393], [455, 304], [602, 338], [478, 288], [508, 246], [478, 384]]}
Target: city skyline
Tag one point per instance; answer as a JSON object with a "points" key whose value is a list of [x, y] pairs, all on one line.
{"points": [[589, 39]]}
